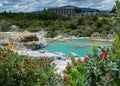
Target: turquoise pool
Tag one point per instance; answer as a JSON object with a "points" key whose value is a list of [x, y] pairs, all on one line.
{"points": [[80, 47]]}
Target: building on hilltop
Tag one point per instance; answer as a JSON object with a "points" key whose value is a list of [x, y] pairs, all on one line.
{"points": [[64, 11], [76, 11]]}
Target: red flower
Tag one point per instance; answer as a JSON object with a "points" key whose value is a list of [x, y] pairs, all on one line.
{"points": [[20, 70], [3, 55], [85, 60], [43, 58], [27, 60], [42, 65], [31, 73], [2, 58], [103, 54], [17, 68], [65, 78], [34, 67], [109, 76], [24, 66], [68, 68]]}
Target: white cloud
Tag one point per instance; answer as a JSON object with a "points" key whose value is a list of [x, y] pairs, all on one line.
{"points": [[44, 2], [34, 5], [20, 7], [106, 4], [1, 5]]}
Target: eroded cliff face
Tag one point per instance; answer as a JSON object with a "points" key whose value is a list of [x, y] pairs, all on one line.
{"points": [[21, 40]]}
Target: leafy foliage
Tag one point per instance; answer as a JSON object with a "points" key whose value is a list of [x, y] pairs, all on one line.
{"points": [[101, 68], [29, 38], [18, 70], [95, 70], [36, 21], [75, 72]]}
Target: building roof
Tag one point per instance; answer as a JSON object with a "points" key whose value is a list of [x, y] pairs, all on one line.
{"points": [[68, 7], [63, 7], [76, 8]]}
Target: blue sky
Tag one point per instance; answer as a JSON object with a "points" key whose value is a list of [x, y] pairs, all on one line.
{"points": [[36, 5]]}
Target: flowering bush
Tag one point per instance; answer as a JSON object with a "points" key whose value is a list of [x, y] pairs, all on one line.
{"points": [[97, 70], [94, 70], [74, 73], [103, 69], [17, 70]]}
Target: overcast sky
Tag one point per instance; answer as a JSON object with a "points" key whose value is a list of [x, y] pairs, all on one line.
{"points": [[36, 5]]}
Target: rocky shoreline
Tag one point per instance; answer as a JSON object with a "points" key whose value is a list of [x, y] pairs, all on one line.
{"points": [[12, 39], [58, 58], [70, 38], [21, 40]]}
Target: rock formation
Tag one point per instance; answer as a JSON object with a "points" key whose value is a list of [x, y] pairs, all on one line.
{"points": [[21, 40]]}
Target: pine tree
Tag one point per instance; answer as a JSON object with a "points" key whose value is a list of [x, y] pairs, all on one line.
{"points": [[113, 9]]}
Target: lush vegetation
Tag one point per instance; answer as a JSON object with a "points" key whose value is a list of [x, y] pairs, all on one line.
{"points": [[50, 22], [99, 70], [18, 70], [94, 70]]}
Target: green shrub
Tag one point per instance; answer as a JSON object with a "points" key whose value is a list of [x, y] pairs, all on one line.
{"points": [[29, 38], [18, 70], [99, 69], [103, 69], [72, 26], [75, 73]]}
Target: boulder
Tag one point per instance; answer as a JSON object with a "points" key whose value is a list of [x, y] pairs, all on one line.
{"points": [[22, 40], [14, 28], [3, 43], [33, 45]]}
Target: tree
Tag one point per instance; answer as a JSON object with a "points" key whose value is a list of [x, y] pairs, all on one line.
{"points": [[113, 9], [72, 26], [77, 10], [44, 10], [81, 21], [117, 19]]}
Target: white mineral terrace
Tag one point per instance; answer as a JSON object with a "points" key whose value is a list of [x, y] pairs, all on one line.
{"points": [[58, 58]]}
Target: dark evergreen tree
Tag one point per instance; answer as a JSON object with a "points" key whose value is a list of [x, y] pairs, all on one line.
{"points": [[113, 9]]}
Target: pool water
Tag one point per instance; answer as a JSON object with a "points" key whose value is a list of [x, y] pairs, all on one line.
{"points": [[80, 47]]}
